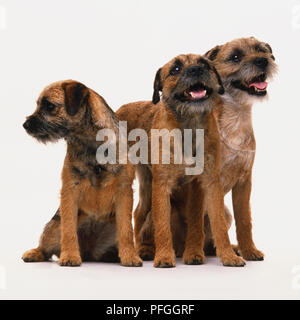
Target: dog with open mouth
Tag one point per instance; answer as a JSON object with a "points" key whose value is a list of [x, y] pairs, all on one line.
{"points": [[191, 89], [94, 218], [245, 66]]}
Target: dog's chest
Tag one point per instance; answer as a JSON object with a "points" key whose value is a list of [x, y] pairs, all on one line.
{"points": [[97, 201], [96, 189], [237, 150], [235, 167]]}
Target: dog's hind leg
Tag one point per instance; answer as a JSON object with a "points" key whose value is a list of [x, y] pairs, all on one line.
{"points": [[146, 238], [49, 243], [209, 246]]}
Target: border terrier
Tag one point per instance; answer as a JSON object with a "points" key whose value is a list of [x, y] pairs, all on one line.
{"points": [[245, 65], [96, 200], [191, 89]]}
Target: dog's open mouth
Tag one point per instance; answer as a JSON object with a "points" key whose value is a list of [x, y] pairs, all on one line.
{"points": [[196, 93], [257, 86]]}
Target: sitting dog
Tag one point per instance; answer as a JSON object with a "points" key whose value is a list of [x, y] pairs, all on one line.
{"points": [[95, 211], [245, 65]]}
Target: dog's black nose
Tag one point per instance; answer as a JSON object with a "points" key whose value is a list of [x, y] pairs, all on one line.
{"points": [[31, 124], [261, 62], [26, 124], [195, 71]]}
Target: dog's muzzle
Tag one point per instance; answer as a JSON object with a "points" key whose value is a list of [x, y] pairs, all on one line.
{"points": [[192, 86], [31, 125]]}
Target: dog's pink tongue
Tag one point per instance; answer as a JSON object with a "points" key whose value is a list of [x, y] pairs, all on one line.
{"points": [[198, 94], [259, 85]]}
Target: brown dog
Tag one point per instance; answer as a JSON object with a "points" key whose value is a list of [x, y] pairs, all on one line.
{"points": [[96, 200], [190, 89], [244, 66]]}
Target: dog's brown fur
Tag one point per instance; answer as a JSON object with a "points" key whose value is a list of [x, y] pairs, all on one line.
{"points": [[96, 200], [237, 152], [166, 179]]}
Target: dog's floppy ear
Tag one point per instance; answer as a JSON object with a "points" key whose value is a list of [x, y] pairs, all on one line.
{"points": [[157, 87], [270, 49], [75, 95], [212, 67], [221, 88], [212, 54]]}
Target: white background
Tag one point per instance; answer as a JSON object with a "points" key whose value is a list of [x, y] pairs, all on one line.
{"points": [[115, 48]]}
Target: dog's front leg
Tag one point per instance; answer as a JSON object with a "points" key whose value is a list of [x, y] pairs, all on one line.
{"points": [[70, 254], [214, 200], [242, 213], [161, 212], [194, 244], [127, 252]]}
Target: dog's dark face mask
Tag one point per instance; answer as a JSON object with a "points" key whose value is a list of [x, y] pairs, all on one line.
{"points": [[60, 108], [245, 66], [189, 84]]}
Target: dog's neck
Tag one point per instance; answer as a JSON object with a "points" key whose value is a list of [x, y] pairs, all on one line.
{"points": [[191, 117], [194, 122], [235, 126]]}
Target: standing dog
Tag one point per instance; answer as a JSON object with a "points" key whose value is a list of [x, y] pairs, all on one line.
{"points": [[244, 65], [190, 89], [96, 200]]}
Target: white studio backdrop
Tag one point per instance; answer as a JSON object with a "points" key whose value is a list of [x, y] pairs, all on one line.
{"points": [[115, 47]]}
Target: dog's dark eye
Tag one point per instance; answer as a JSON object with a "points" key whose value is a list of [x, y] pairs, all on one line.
{"points": [[48, 106], [236, 56], [175, 70]]}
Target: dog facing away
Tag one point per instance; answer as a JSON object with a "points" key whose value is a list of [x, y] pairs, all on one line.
{"points": [[94, 218], [245, 65], [190, 89]]}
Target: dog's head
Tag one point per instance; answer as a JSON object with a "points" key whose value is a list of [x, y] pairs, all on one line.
{"points": [[189, 84], [245, 65], [60, 108]]}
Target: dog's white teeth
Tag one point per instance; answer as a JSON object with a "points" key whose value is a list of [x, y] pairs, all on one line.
{"points": [[198, 94]]}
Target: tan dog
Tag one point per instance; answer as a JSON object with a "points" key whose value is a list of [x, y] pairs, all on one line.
{"points": [[244, 66], [96, 200], [190, 87]]}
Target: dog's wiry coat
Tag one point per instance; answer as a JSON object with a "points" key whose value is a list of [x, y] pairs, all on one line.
{"points": [[176, 110], [238, 62], [94, 218]]}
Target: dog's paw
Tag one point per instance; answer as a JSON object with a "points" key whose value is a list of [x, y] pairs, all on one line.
{"points": [[252, 255], [133, 261], [232, 260], [146, 253], [192, 258], [69, 261], [165, 261], [34, 255]]}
